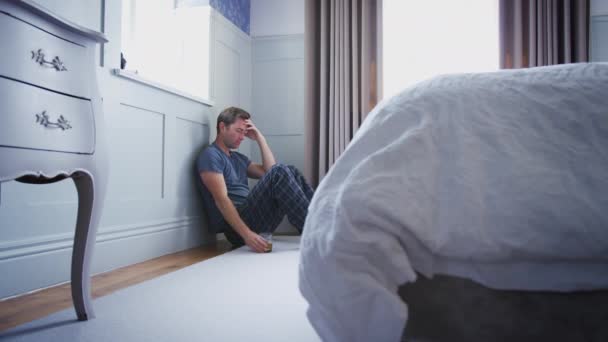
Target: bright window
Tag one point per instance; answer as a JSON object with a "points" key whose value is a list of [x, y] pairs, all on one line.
{"points": [[168, 45], [422, 39]]}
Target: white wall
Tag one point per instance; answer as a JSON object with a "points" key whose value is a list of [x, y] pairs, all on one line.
{"points": [[276, 17], [152, 206], [599, 7]]}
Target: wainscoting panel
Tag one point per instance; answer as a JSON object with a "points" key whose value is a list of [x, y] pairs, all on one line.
{"points": [[278, 96], [191, 137], [599, 43], [228, 61], [278, 48], [278, 84], [136, 154]]}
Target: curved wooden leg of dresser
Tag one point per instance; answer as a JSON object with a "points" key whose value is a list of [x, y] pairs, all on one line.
{"points": [[89, 212]]}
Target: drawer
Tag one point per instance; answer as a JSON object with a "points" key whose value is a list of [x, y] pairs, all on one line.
{"points": [[39, 119], [32, 55]]}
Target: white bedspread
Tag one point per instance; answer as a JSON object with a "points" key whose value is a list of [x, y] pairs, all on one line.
{"points": [[498, 177]]}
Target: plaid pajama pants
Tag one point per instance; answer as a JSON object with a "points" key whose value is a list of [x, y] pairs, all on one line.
{"points": [[281, 191]]}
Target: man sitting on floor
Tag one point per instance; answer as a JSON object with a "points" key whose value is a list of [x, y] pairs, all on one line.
{"points": [[231, 207]]}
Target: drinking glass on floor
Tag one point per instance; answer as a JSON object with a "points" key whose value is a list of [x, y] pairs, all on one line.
{"points": [[268, 237]]}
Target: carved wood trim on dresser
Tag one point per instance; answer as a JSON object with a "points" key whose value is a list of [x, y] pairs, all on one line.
{"points": [[51, 122]]}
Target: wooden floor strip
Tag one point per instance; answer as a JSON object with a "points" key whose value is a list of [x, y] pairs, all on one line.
{"points": [[28, 307]]}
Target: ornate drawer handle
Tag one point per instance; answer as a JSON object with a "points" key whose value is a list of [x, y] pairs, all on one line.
{"points": [[38, 57], [43, 119]]}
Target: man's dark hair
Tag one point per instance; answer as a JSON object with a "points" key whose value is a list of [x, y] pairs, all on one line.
{"points": [[229, 115]]}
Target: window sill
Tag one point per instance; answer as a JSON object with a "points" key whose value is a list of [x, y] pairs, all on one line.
{"points": [[135, 77]]}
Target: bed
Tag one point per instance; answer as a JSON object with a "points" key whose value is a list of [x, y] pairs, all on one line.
{"points": [[494, 182]]}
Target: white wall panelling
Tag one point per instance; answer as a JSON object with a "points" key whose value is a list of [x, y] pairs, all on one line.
{"points": [[137, 154], [599, 31], [599, 7], [228, 59], [278, 86], [599, 38], [189, 135]]}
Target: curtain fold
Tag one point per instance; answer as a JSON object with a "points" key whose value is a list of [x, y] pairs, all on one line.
{"points": [[543, 32], [342, 39]]}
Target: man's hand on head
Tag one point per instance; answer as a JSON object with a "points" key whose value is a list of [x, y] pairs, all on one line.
{"points": [[252, 132]]}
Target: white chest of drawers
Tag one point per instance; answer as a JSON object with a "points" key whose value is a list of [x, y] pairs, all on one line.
{"points": [[51, 123]]}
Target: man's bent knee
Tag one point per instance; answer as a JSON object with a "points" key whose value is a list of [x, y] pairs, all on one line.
{"points": [[294, 169], [280, 168], [281, 171]]}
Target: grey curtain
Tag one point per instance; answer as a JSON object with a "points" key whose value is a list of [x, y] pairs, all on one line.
{"points": [[343, 76], [543, 32]]}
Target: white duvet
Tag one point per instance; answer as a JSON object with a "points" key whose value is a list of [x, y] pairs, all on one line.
{"points": [[498, 177]]}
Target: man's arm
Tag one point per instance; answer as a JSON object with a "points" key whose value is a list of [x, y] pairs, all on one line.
{"points": [[216, 185], [258, 170]]}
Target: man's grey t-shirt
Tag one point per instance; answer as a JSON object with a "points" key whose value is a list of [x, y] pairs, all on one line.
{"points": [[234, 169]]}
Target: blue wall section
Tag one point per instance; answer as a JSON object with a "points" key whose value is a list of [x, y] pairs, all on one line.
{"points": [[237, 11]]}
